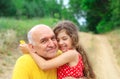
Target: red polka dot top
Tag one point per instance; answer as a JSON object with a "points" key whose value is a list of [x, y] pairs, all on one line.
{"points": [[75, 71]]}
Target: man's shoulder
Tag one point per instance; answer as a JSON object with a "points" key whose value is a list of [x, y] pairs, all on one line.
{"points": [[59, 52], [25, 59]]}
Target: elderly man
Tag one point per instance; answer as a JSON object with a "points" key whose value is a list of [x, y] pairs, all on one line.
{"points": [[41, 41]]}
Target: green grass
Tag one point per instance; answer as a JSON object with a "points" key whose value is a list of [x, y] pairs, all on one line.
{"points": [[23, 25]]}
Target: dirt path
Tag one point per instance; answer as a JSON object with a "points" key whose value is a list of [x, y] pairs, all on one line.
{"points": [[106, 64], [102, 57]]}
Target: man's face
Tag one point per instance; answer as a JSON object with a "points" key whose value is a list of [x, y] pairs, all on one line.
{"points": [[45, 43]]}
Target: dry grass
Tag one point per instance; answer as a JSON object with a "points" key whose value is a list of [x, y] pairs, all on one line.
{"points": [[8, 40], [9, 52]]}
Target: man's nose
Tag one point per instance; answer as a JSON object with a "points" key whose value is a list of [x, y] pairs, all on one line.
{"points": [[51, 43]]}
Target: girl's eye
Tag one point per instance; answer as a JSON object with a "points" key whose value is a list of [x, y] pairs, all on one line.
{"points": [[64, 38]]}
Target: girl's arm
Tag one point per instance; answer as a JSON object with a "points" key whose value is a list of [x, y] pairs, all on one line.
{"points": [[24, 48], [55, 62]]}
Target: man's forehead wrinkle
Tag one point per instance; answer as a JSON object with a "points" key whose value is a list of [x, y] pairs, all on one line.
{"points": [[46, 37]]}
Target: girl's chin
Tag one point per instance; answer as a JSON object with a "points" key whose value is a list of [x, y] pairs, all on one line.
{"points": [[64, 50]]}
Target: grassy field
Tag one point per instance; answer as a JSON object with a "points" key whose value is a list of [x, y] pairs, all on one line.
{"points": [[21, 26]]}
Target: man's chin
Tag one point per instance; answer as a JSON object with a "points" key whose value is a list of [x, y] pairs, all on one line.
{"points": [[50, 57], [53, 55]]}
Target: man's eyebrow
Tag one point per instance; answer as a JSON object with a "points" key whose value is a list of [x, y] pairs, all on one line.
{"points": [[41, 39], [53, 36]]}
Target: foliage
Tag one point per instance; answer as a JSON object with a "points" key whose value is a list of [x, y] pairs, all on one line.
{"points": [[7, 8], [115, 11], [112, 19], [104, 26], [29, 8], [37, 8], [101, 15]]}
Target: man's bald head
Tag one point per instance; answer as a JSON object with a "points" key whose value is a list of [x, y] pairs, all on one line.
{"points": [[35, 30]]}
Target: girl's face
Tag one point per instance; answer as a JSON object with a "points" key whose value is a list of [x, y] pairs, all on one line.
{"points": [[64, 41]]}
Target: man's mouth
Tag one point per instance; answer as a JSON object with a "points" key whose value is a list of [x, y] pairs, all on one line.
{"points": [[52, 50]]}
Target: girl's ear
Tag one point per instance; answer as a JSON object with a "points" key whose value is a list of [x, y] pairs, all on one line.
{"points": [[31, 48]]}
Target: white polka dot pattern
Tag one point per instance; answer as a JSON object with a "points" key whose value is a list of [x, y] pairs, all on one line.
{"points": [[66, 70]]}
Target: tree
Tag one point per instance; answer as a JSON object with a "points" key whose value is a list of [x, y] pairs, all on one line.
{"points": [[7, 8], [115, 11], [95, 11]]}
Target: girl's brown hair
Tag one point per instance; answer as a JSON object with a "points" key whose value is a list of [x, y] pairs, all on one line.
{"points": [[72, 31]]}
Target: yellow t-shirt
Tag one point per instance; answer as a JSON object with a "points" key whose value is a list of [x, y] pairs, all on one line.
{"points": [[26, 68]]}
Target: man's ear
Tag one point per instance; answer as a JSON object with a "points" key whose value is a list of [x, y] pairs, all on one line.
{"points": [[31, 48]]}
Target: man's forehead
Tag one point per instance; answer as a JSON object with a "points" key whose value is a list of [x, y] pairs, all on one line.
{"points": [[43, 31], [46, 35], [40, 27], [41, 34]]}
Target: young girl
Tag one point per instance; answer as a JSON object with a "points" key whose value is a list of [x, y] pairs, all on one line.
{"points": [[73, 61]]}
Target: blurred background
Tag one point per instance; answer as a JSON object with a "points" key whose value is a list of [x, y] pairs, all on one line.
{"points": [[98, 22]]}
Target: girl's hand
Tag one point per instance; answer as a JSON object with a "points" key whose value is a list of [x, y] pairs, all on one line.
{"points": [[23, 47]]}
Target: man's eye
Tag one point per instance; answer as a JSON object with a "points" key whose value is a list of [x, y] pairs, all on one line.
{"points": [[53, 38], [58, 40], [43, 41]]}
